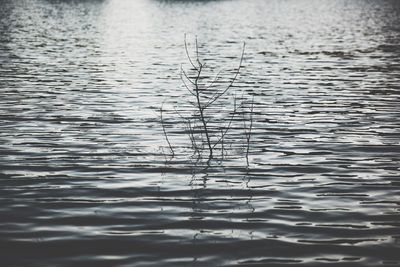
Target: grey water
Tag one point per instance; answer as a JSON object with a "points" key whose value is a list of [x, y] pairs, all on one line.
{"points": [[84, 178]]}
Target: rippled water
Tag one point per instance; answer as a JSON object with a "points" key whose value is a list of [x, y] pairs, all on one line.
{"points": [[83, 181]]}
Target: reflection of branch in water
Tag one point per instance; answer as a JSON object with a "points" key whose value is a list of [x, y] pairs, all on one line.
{"points": [[203, 178], [247, 175], [247, 131]]}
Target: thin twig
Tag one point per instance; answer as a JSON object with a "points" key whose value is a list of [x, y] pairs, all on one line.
{"points": [[190, 131], [201, 111], [248, 133], [165, 132], [214, 81], [187, 53], [186, 76], [186, 86], [217, 95], [197, 53], [228, 127]]}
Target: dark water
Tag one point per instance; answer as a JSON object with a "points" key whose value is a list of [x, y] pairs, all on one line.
{"points": [[83, 181]]}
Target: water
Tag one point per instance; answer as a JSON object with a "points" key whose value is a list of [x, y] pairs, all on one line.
{"points": [[83, 181]]}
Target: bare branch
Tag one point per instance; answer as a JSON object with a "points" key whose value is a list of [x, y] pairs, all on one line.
{"points": [[214, 81], [248, 133], [228, 127], [186, 86], [187, 53], [186, 76], [207, 129], [165, 132], [197, 53], [217, 95]]}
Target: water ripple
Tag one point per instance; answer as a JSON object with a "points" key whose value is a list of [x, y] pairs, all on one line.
{"points": [[83, 180]]}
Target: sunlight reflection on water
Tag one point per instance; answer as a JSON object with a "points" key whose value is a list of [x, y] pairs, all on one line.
{"points": [[83, 181]]}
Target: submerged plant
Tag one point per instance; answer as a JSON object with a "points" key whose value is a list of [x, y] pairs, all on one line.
{"points": [[207, 123]]}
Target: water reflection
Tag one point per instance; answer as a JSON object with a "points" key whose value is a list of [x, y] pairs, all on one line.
{"points": [[80, 167]]}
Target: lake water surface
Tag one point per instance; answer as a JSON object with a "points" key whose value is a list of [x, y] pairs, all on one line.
{"points": [[83, 178]]}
